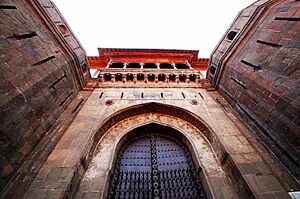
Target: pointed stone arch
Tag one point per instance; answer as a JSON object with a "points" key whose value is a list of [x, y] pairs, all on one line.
{"points": [[154, 107], [114, 132]]}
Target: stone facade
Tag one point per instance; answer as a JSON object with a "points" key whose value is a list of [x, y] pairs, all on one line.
{"points": [[61, 130], [102, 122]]}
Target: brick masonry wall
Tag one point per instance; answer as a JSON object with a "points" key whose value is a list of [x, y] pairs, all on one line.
{"points": [[260, 73], [42, 68]]}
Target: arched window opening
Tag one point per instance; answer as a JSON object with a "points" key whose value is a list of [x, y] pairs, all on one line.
{"points": [[129, 77], [161, 77], [107, 77], [140, 77], [118, 77], [151, 77], [192, 77], [182, 78], [172, 77]]}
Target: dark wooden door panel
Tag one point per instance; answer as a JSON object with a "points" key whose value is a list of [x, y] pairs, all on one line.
{"points": [[155, 167]]}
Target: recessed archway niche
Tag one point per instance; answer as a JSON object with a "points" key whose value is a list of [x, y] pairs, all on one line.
{"points": [[100, 171]]}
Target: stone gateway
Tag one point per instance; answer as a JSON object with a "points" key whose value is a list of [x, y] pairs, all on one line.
{"points": [[149, 123]]}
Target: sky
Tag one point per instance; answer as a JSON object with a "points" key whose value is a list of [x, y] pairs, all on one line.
{"points": [[156, 24]]}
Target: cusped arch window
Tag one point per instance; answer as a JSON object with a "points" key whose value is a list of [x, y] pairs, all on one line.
{"points": [[182, 77], [161, 77], [140, 77], [118, 77], [129, 77], [172, 77], [151, 77], [107, 77], [193, 77]]}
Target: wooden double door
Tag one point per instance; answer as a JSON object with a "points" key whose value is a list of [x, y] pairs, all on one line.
{"points": [[155, 166]]}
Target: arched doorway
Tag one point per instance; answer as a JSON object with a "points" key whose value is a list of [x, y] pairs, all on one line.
{"points": [[122, 128], [154, 163]]}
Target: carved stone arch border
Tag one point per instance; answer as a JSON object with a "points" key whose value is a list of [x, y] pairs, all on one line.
{"points": [[99, 172], [188, 132], [166, 109], [214, 178]]}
